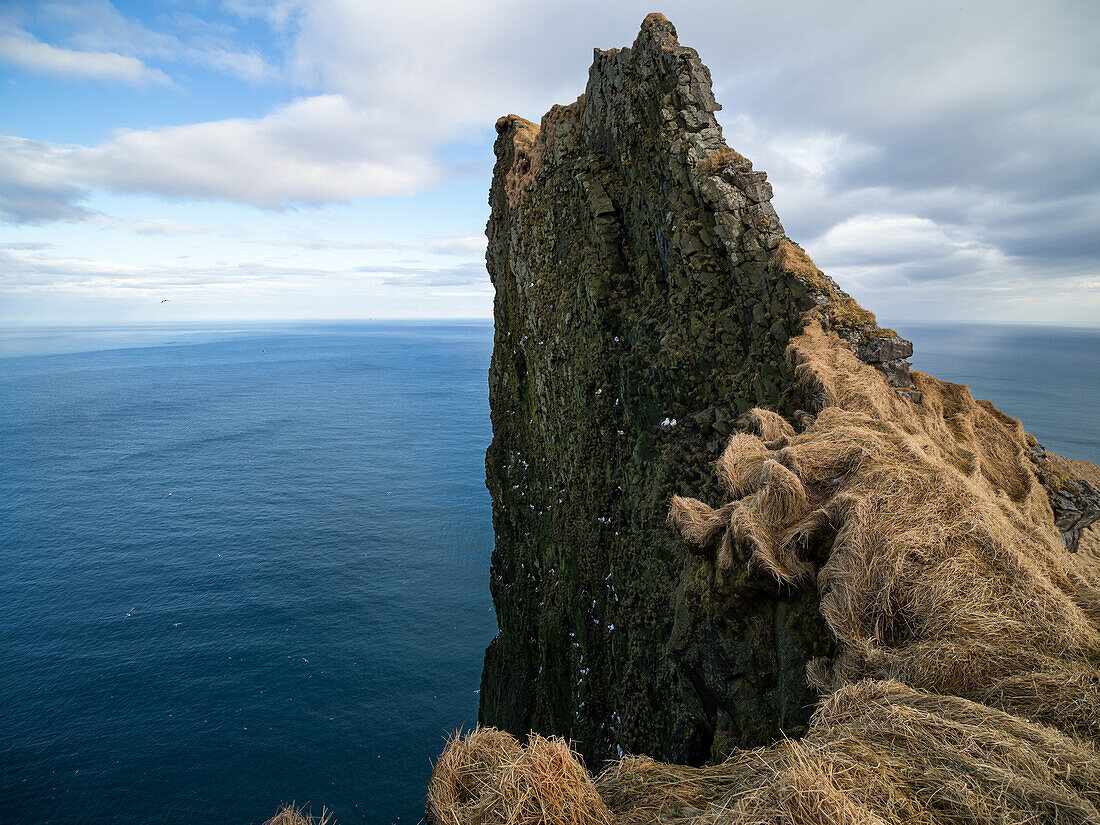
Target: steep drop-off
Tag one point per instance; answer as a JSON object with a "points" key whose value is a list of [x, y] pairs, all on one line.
{"points": [[641, 307], [891, 573], [645, 296], [646, 300]]}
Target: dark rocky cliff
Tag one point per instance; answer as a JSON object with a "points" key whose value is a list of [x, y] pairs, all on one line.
{"points": [[638, 313], [645, 296]]}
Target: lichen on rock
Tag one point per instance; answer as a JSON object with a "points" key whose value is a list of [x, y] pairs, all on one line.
{"points": [[640, 311]]}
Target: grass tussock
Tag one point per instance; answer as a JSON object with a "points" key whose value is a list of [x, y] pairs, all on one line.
{"points": [[719, 158], [877, 753], [842, 310], [530, 142], [487, 778], [946, 570], [294, 815], [966, 688]]}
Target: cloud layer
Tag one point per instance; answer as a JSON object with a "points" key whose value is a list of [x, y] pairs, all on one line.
{"points": [[908, 143]]}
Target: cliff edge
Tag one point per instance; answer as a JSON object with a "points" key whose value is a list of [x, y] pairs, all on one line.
{"points": [[886, 582]]}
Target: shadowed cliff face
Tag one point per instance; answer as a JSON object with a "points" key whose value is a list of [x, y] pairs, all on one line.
{"points": [[645, 294], [907, 548], [646, 302]]}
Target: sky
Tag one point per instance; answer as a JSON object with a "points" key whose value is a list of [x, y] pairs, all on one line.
{"points": [[228, 160]]}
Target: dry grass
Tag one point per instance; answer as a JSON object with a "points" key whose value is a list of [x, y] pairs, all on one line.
{"points": [[488, 778], [877, 752], [294, 815], [530, 142], [846, 312], [946, 570], [791, 258], [719, 158], [841, 310]]}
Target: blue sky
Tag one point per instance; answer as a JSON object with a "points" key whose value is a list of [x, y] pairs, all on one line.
{"points": [[331, 158]]}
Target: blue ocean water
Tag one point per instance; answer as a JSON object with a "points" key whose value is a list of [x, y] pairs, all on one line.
{"points": [[1048, 377], [244, 566]]}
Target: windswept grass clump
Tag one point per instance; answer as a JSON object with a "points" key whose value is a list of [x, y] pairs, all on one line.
{"points": [[877, 753], [946, 570], [299, 815], [842, 310], [720, 157], [487, 778], [881, 753]]}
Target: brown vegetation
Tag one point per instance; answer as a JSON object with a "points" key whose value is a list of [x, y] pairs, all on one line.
{"points": [[719, 158], [840, 309], [946, 570], [488, 778], [294, 815]]}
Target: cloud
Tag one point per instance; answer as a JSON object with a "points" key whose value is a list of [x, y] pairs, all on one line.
{"points": [[105, 44], [468, 245], [919, 145], [473, 274], [28, 246], [464, 245], [28, 271], [906, 248], [312, 151], [33, 55], [326, 243], [33, 185]]}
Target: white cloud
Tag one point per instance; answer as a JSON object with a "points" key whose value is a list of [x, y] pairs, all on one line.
{"points": [[315, 150], [870, 251], [472, 274], [35, 286], [33, 55], [468, 245], [924, 145], [92, 29]]}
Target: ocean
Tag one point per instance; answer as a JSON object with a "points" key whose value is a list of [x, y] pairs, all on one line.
{"points": [[241, 566]]}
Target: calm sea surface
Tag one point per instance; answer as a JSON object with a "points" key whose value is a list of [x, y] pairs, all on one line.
{"points": [[244, 566]]}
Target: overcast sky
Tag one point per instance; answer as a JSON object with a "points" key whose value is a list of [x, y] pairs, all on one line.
{"points": [[331, 158]]}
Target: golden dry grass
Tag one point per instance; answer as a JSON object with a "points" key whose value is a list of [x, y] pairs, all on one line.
{"points": [[841, 310], [487, 778], [530, 142], [295, 815], [717, 159], [946, 571], [877, 752]]}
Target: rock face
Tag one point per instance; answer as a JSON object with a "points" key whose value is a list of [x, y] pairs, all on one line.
{"points": [[1073, 499], [645, 292]]}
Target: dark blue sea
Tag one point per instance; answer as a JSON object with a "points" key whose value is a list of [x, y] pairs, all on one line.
{"points": [[244, 566]]}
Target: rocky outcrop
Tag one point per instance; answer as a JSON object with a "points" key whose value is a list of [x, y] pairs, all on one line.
{"points": [[1074, 490], [662, 346], [645, 295], [648, 301]]}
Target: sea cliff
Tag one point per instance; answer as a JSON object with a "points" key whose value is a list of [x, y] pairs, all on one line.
{"points": [[728, 515]]}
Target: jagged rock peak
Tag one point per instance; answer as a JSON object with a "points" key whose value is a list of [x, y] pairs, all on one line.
{"points": [[659, 85], [645, 295], [646, 298]]}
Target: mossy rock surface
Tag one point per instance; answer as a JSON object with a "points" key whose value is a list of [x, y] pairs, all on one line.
{"points": [[639, 311]]}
